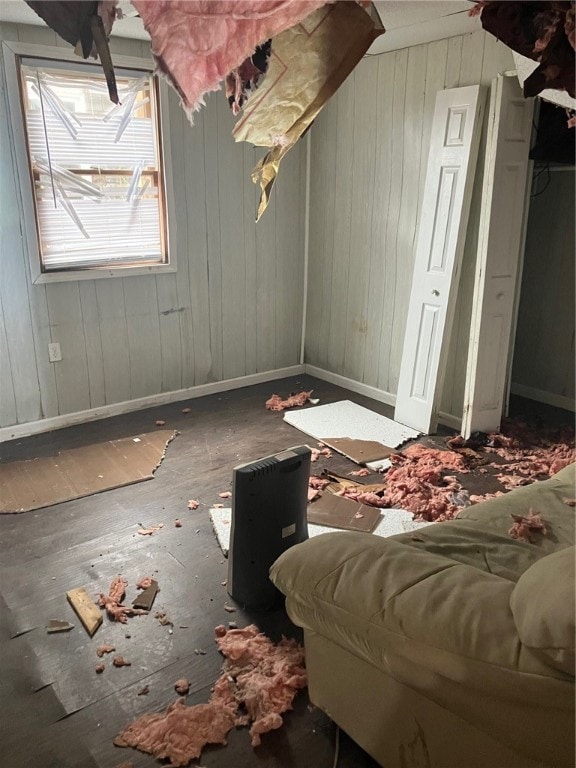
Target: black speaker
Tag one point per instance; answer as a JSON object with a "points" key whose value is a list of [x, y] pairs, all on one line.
{"points": [[269, 501]]}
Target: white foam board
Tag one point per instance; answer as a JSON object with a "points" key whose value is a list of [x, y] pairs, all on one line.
{"points": [[392, 522], [347, 419]]}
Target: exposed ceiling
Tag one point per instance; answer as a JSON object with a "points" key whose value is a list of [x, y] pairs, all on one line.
{"points": [[407, 23]]}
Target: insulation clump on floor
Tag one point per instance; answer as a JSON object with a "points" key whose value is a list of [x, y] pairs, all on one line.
{"points": [[257, 685]]}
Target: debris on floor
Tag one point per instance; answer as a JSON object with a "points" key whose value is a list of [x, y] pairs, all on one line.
{"points": [[112, 602], [525, 527], [85, 608], [99, 668], [160, 422], [146, 598], [177, 523], [322, 451], [257, 685], [102, 649], [144, 582], [120, 661], [182, 686], [163, 619], [54, 625], [144, 691], [276, 403], [150, 530], [193, 504], [225, 495]]}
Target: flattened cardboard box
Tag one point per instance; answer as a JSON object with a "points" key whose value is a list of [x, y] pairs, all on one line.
{"points": [[42, 482], [340, 512]]}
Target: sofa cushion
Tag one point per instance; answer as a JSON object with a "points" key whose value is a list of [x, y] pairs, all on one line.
{"points": [[542, 604], [479, 535]]}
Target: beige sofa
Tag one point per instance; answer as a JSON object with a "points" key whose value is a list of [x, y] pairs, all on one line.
{"points": [[449, 648]]}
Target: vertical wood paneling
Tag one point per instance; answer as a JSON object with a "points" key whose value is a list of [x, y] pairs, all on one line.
{"points": [[290, 266], [341, 254], [93, 340], [66, 328], [231, 211], [389, 342], [413, 166], [8, 413], [214, 252], [114, 335], [361, 215], [400, 105], [14, 282], [324, 158], [266, 259], [544, 351], [229, 310], [377, 277], [195, 328], [142, 322]]}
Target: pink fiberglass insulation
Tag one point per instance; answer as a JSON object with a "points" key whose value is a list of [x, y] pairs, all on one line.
{"points": [[197, 43], [421, 479], [276, 403], [258, 683], [417, 482], [527, 528]]}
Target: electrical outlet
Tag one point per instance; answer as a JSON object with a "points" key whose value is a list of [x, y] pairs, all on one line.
{"points": [[54, 353]]}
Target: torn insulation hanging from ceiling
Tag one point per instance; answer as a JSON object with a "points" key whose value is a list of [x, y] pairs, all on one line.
{"points": [[542, 31], [309, 63]]}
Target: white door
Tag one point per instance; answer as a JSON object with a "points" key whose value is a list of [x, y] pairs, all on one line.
{"points": [[452, 157], [500, 241]]}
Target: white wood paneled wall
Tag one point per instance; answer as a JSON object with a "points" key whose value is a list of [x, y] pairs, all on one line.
{"points": [[544, 354], [369, 154], [232, 309]]}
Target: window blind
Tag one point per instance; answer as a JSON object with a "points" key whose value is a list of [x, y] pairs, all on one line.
{"points": [[96, 168]]}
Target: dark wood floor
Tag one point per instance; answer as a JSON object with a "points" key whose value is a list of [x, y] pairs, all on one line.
{"points": [[55, 711]]}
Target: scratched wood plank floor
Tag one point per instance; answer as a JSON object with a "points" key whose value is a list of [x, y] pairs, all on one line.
{"points": [[55, 712]]}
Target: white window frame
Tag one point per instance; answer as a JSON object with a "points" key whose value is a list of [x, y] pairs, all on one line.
{"points": [[11, 53]]}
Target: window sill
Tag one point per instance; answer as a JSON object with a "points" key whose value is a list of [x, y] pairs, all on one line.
{"points": [[101, 273]]}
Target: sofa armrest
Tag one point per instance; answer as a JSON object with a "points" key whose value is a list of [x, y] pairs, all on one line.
{"points": [[379, 598]]}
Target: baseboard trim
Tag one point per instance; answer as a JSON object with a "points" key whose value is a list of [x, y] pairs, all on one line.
{"points": [[354, 386], [117, 409], [549, 398], [449, 420]]}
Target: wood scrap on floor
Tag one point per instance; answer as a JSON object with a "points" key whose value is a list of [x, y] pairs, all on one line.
{"points": [[338, 512], [85, 608], [54, 626], [258, 683], [146, 598]]}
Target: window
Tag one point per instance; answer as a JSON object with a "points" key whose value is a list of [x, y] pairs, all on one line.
{"points": [[96, 169]]}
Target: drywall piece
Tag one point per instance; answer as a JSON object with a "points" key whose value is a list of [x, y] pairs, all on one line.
{"points": [[500, 247], [88, 612], [340, 512], [346, 419], [391, 523], [42, 482], [454, 141]]}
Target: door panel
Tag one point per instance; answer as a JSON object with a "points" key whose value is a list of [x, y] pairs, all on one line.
{"points": [[447, 192]]}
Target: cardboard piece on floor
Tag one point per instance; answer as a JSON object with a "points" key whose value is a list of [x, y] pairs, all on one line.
{"points": [[360, 451], [146, 597], [42, 482], [87, 610], [340, 512], [347, 420]]}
